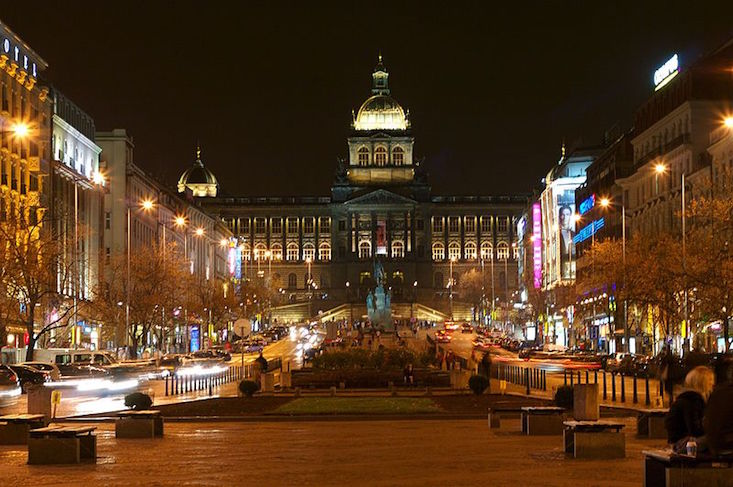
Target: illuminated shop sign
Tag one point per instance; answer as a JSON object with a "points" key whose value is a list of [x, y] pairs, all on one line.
{"points": [[537, 244], [666, 72], [16, 55], [589, 230], [587, 204]]}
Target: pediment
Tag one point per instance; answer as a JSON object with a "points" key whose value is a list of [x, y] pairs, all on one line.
{"points": [[381, 197]]}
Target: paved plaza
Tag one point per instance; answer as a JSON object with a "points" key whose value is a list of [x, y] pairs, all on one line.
{"points": [[381, 453]]}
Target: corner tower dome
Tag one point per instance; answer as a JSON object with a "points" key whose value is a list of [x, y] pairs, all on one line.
{"points": [[380, 111], [198, 179]]}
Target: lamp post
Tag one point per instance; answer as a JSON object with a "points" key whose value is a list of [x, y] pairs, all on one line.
{"points": [[450, 287], [351, 306], [308, 283], [146, 205], [605, 203]]}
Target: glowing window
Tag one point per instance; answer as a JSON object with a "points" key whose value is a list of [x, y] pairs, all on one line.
{"points": [[454, 251], [398, 249], [380, 156], [365, 249], [363, 155], [470, 251], [292, 253], [438, 251], [398, 156]]}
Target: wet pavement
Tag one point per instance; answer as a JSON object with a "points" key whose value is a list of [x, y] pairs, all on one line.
{"points": [[380, 453]]}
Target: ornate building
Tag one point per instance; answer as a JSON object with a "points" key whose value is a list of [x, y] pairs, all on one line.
{"points": [[380, 206]]}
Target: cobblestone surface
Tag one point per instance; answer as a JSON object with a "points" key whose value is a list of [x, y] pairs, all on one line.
{"points": [[381, 453]]}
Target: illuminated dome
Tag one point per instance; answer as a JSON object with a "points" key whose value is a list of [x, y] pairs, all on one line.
{"points": [[381, 111], [198, 179]]}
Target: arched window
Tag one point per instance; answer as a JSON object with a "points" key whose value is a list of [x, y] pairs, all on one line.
{"points": [[502, 251], [246, 255], [365, 249], [363, 155], [454, 251], [515, 251], [398, 278], [470, 251], [309, 252], [260, 250], [324, 251], [438, 251], [398, 156], [380, 156], [487, 251], [438, 280], [398, 249], [292, 281], [292, 254], [277, 252]]}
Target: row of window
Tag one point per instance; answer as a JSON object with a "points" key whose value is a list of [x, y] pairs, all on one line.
{"points": [[469, 224], [242, 225], [292, 252], [469, 251], [364, 156]]}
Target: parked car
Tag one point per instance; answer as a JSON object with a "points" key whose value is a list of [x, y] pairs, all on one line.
{"points": [[27, 376], [77, 371], [466, 328], [47, 368]]}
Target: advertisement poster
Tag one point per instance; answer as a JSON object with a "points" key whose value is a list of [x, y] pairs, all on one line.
{"points": [[566, 232], [195, 339], [381, 237]]}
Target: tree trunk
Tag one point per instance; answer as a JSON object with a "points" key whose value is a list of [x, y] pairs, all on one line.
{"points": [[31, 335], [31, 347], [726, 334]]}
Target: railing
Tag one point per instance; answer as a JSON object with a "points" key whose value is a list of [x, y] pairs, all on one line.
{"points": [[529, 377], [609, 382], [176, 384]]}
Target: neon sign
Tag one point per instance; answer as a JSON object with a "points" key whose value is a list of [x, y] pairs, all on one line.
{"points": [[666, 72], [587, 204], [537, 245], [589, 230], [9, 50]]}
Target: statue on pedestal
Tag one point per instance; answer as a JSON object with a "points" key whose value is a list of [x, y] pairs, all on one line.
{"points": [[378, 302]]}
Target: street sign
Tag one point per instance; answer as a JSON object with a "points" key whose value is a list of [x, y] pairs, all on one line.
{"points": [[55, 397], [243, 327]]}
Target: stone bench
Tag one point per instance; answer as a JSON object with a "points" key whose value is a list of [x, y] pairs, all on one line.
{"points": [[146, 423], [650, 423], [62, 444], [594, 439], [14, 428], [545, 420], [664, 468], [495, 415]]}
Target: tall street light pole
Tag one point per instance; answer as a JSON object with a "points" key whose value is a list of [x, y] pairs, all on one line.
{"points": [[450, 287]]}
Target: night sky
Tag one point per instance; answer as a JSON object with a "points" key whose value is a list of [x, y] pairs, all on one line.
{"points": [[492, 90]]}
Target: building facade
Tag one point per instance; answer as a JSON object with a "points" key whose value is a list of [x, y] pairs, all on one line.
{"points": [[381, 207]]}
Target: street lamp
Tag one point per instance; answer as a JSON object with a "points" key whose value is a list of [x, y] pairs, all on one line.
{"points": [[728, 122], [450, 287], [309, 282], [146, 206]]}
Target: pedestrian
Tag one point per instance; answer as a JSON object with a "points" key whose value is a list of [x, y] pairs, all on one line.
{"points": [[409, 375], [718, 421], [685, 417]]}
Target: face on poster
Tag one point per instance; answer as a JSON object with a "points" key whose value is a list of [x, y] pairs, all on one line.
{"points": [[566, 231]]}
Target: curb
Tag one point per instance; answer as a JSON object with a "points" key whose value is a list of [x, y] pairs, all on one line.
{"points": [[294, 418]]}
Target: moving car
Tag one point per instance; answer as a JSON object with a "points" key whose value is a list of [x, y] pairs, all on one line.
{"points": [[27, 376], [442, 337], [9, 387], [466, 328], [47, 368]]}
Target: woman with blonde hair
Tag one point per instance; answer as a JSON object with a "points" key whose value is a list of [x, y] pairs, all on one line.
{"points": [[684, 419]]}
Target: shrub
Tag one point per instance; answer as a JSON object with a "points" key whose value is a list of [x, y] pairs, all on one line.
{"points": [[564, 397], [478, 384], [138, 401], [248, 387], [382, 359]]}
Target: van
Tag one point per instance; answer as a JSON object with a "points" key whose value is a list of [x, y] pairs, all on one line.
{"points": [[61, 356]]}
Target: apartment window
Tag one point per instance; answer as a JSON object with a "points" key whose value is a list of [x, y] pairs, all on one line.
{"points": [[502, 224], [324, 224], [107, 220], [365, 249], [438, 251], [380, 156], [292, 224], [437, 224], [292, 281], [277, 252], [515, 252], [292, 252], [398, 156], [246, 254], [470, 251], [276, 225], [260, 250], [470, 224], [260, 225], [398, 249], [486, 251], [485, 224], [309, 252], [502, 251], [453, 224], [324, 252], [454, 251], [363, 156], [244, 225], [308, 225]]}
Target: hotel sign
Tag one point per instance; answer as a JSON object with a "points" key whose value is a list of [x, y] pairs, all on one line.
{"points": [[13, 52], [666, 72]]}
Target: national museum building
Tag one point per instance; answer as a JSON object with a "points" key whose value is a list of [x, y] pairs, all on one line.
{"points": [[322, 248]]}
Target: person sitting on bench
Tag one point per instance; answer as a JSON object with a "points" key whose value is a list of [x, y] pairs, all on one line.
{"points": [[685, 417], [718, 420]]}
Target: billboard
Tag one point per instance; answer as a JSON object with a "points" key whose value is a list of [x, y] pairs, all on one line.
{"points": [[381, 238], [566, 232], [537, 245]]}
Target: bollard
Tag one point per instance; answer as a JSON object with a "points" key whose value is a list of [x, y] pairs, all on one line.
{"points": [[646, 387], [565, 377], [571, 378], [613, 386], [595, 376], [166, 385], [636, 394], [623, 388], [579, 381], [526, 376], [586, 376], [209, 385], [605, 390], [544, 380]]}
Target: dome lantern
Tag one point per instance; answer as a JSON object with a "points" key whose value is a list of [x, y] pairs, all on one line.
{"points": [[198, 179]]}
